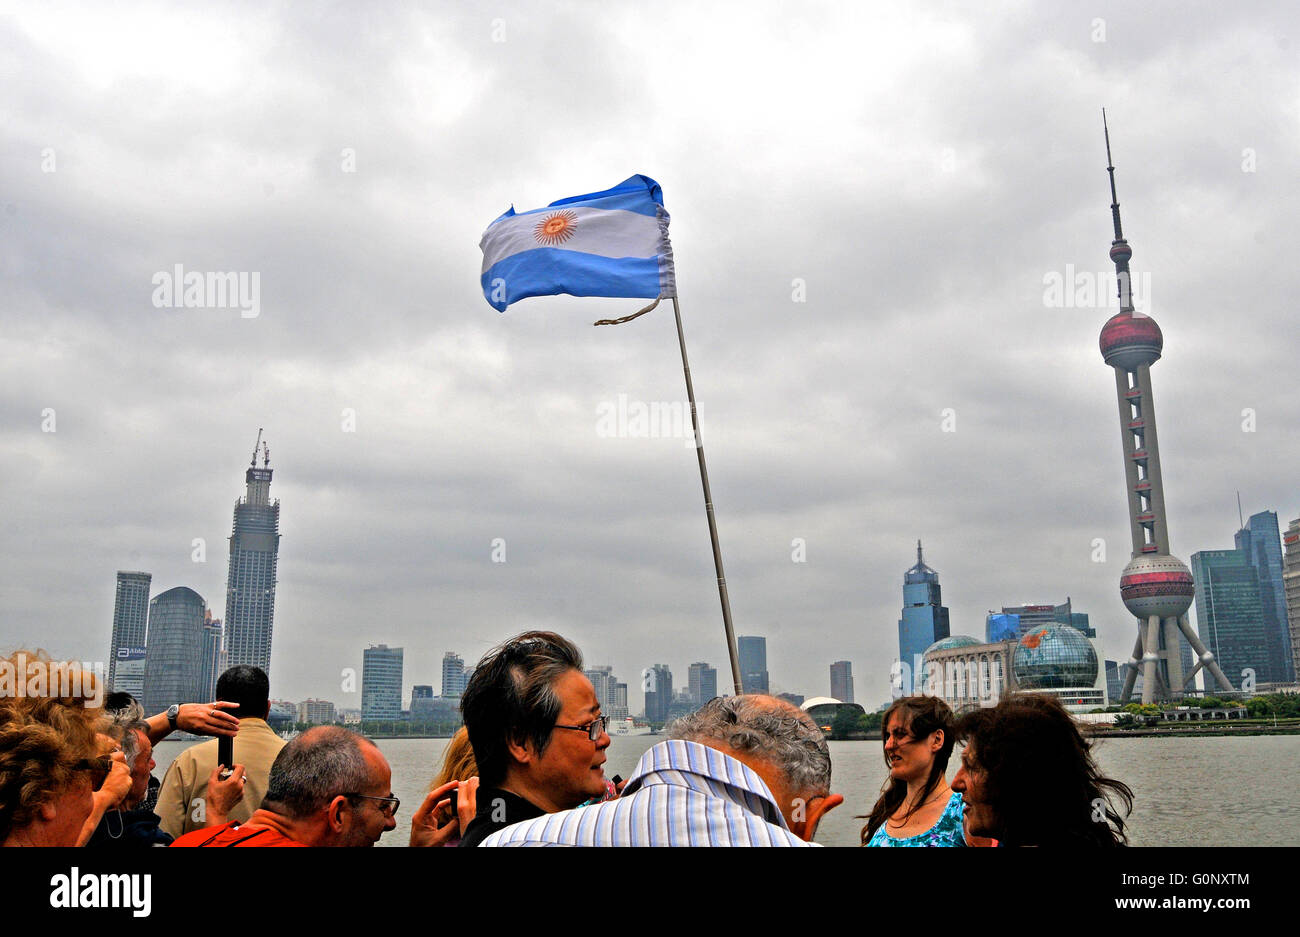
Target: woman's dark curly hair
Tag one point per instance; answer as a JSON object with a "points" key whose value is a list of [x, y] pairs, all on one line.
{"points": [[921, 716], [1039, 775]]}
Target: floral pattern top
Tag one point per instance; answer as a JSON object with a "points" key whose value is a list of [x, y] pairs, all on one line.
{"points": [[947, 831]]}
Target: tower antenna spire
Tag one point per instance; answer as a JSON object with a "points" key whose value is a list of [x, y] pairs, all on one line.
{"points": [[1120, 252], [918, 553], [1241, 521]]}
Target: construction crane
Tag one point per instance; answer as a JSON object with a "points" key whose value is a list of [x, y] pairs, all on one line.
{"points": [[257, 445]]}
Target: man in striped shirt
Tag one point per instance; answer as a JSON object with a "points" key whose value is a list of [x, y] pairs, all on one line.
{"points": [[742, 771]]}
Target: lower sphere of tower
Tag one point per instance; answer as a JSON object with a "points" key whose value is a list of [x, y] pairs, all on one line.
{"points": [[1156, 584]]}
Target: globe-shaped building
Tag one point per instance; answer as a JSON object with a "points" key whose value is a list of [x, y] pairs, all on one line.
{"points": [[1054, 656]]}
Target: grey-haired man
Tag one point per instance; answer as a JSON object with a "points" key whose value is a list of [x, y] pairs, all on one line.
{"points": [[742, 771]]}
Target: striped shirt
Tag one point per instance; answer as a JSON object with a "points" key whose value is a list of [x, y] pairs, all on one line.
{"points": [[680, 794]]}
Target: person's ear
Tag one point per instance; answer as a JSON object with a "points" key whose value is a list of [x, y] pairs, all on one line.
{"points": [[336, 813], [807, 814], [936, 740], [521, 749]]}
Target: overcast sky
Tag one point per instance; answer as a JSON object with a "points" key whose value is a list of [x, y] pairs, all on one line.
{"points": [[868, 207]]}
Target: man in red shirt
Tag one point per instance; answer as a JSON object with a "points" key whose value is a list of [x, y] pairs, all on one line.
{"points": [[328, 787]]}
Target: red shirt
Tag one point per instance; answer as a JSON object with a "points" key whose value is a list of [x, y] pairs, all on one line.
{"points": [[232, 834]]}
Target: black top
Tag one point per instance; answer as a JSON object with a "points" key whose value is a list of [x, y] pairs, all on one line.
{"points": [[129, 828], [497, 809]]}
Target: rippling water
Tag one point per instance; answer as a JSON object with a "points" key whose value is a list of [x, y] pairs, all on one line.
{"points": [[1208, 791]]}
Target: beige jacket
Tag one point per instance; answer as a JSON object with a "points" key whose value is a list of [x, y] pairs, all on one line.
{"points": [[182, 801]]}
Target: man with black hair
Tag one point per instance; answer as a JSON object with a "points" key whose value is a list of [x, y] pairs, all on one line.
{"points": [[537, 731], [183, 799]]}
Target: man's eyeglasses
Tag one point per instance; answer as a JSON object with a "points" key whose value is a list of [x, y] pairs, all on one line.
{"points": [[390, 803], [593, 729], [99, 769]]}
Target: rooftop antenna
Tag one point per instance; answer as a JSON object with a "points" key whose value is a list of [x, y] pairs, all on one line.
{"points": [[257, 445], [1241, 522], [918, 553]]}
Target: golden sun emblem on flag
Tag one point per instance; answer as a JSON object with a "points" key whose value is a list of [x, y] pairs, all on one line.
{"points": [[556, 228]]}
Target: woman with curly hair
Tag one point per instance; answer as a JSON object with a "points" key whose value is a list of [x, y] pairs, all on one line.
{"points": [[52, 757], [1028, 778], [916, 806]]}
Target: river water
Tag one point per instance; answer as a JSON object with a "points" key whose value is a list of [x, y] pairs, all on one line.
{"points": [[1196, 791]]}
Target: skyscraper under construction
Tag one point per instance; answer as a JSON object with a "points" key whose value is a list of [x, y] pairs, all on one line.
{"points": [[251, 578]]}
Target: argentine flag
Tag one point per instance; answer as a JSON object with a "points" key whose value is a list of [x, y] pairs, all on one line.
{"points": [[611, 243]]}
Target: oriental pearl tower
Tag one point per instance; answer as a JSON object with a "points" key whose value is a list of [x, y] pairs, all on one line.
{"points": [[1155, 586]]}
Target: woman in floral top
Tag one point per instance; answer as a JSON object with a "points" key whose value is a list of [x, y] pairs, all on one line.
{"points": [[916, 805]]}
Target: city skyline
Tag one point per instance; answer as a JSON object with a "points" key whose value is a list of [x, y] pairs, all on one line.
{"points": [[892, 317]]}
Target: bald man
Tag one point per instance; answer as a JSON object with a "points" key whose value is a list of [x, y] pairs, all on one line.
{"points": [[742, 771]]}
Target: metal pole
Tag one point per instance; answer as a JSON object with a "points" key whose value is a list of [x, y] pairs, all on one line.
{"points": [[708, 509]]}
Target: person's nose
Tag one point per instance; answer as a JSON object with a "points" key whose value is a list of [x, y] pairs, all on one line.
{"points": [[959, 781]]}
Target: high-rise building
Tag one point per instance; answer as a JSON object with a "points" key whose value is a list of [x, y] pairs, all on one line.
{"points": [[173, 671], [617, 700], [601, 677], [130, 663], [211, 654], [751, 652], [251, 576], [381, 682], [1155, 586], [453, 675], [1291, 588], [130, 619], [703, 683], [421, 691], [1229, 614], [924, 621], [1260, 540], [842, 681], [1028, 617], [657, 685], [317, 712]]}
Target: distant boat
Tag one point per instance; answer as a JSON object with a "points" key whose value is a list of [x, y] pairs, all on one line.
{"points": [[627, 727]]}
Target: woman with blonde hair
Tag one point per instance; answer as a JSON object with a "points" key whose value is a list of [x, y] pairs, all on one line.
{"points": [[458, 774], [56, 779]]}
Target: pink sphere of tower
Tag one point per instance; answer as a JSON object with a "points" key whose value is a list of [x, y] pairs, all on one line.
{"points": [[1129, 340], [1156, 584]]}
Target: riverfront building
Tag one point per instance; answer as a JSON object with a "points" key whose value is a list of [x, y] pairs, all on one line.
{"points": [[174, 671], [752, 654], [130, 620], [1262, 544], [924, 621], [703, 683], [842, 681], [251, 575], [1230, 616], [657, 685], [1291, 588], [317, 712], [381, 682], [453, 675]]}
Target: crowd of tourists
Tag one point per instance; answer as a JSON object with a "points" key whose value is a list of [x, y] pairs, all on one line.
{"points": [[527, 769]]}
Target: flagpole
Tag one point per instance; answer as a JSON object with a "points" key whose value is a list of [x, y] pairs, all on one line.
{"points": [[708, 508]]}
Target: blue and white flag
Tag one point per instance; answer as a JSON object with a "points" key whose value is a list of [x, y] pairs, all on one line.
{"points": [[611, 243]]}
